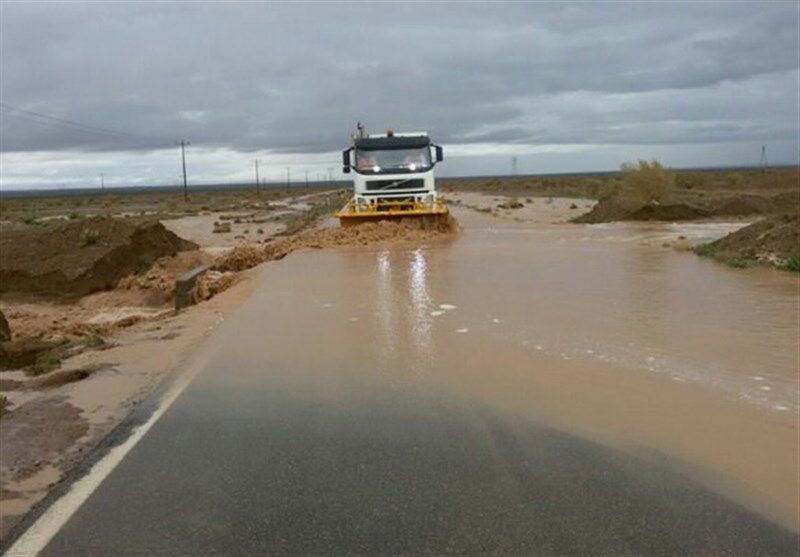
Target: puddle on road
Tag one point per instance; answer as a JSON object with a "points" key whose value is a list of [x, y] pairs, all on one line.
{"points": [[622, 341]]}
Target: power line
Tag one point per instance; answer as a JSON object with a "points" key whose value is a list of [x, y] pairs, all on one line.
{"points": [[60, 126], [47, 119], [73, 123], [51, 125]]}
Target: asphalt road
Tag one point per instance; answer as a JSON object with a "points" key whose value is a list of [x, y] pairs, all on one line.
{"points": [[311, 431]]}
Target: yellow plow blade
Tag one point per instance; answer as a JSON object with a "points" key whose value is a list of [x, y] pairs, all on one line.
{"points": [[351, 215]]}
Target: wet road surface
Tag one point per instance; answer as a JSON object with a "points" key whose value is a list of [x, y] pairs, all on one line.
{"points": [[343, 410]]}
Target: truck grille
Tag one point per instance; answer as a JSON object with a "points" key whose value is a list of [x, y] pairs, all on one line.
{"points": [[387, 185]]}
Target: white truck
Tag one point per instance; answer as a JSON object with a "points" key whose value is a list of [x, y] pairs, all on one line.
{"points": [[392, 177]]}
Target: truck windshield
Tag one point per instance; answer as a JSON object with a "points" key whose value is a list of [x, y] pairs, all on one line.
{"points": [[393, 160]]}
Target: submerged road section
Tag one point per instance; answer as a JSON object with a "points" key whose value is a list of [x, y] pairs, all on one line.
{"points": [[414, 400]]}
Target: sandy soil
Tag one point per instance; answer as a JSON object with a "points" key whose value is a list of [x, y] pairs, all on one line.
{"points": [[774, 241], [135, 298], [84, 256], [251, 227], [531, 210], [36, 455]]}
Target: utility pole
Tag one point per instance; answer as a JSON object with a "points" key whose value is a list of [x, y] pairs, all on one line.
{"points": [[330, 176], [288, 178], [183, 145], [102, 182], [513, 166], [257, 183]]}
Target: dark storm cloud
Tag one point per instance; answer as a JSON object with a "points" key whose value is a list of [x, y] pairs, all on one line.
{"points": [[295, 78]]}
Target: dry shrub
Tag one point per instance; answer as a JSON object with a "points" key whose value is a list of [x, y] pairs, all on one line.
{"points": [[643, 183]]}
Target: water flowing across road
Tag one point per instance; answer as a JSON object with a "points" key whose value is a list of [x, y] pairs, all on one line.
{"points": [[557, 388]]}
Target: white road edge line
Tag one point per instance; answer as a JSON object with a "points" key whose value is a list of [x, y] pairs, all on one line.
{"points": [[39, 534]]}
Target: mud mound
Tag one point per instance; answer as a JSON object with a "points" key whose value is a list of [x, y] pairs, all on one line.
{"points": [[772, 240], [672, 212], [154, 287], [394, 231], [605, 210], [244, 257], [212, 283], [610, 209], [748, 204], [80, 257], [742, 205]]}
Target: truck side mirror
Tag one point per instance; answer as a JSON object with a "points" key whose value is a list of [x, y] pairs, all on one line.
{"points": [[439, 153], [346, 161]]}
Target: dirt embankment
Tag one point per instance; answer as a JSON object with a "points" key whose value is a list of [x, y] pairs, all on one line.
{"points": [[45, 287], [410, 229], [774, 241], [610, 209], [65, 288], [78, 258]]}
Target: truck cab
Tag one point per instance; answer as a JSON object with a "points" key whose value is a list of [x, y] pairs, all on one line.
{"points": [[392, 166]]}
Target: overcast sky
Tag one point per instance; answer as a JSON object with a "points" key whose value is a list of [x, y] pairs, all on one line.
{"points": [[562, 87]]}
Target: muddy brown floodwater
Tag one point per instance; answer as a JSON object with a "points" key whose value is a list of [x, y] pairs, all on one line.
{"points": [[599, 331], [399, 397]]}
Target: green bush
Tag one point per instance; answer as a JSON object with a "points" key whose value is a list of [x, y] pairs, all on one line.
{"points": [[739, 263], [143, 264], [92, 341], [705, 250], [89, 237], [793, 263], [45, 363]]}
